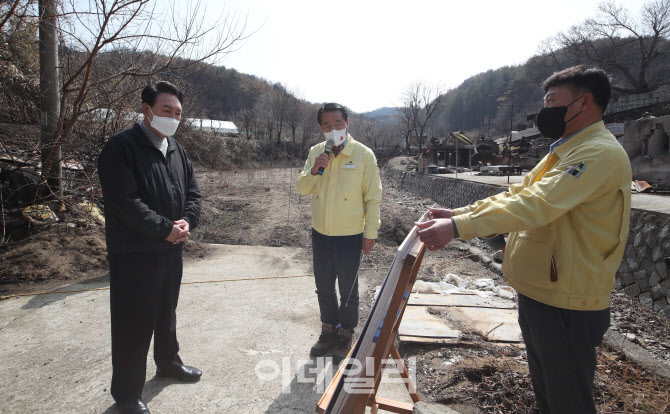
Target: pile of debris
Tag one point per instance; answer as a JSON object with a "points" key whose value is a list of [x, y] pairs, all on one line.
{"points": [[45, 236], [659, 188]]}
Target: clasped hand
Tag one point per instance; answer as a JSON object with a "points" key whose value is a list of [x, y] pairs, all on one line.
{"points": [[180, 232]]}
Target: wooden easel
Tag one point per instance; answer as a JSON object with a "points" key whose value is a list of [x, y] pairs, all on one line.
{"points": [[385, 348]]}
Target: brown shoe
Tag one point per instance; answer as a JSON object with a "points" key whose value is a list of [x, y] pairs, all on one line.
{"points": [[326, 341], [342, 345]]}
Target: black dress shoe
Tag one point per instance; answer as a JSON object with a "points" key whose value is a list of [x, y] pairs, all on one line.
{"points": [[135, 407], [181, 372]]}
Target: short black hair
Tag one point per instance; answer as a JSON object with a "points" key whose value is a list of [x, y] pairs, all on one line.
{"points": [[332, 107], [150, 92], [582, 78]]}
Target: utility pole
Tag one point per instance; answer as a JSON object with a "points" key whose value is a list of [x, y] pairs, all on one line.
{"points": [[456, 138], [509, 146], [49, 93]]}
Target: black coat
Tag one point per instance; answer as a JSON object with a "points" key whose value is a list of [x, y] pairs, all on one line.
{"points": [[144, 192]]}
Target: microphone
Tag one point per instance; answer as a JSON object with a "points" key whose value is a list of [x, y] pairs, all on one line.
{"points": [[329, 147]]}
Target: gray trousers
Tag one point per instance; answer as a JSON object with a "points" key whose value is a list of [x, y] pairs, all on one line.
{"points": [[336, 259], [561, 347]]}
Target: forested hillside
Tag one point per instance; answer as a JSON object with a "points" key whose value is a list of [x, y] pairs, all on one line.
{"points": [[632, 46]]}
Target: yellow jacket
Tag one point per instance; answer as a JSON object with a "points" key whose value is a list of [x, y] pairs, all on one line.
{"points": [[345, 199], [572, 208]]}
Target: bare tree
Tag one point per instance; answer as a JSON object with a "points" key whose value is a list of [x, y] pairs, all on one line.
{"points": [[247, 119], [634, 47], [405, 125], [309, 127], [293, 115], [263, 113], [19, 63], [420, 102], [118, 46], [13, 9], [280, 102], [373, 132]]}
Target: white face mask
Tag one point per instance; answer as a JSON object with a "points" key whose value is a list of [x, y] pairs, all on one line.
{"points": [[164, 125], [336, 136]]}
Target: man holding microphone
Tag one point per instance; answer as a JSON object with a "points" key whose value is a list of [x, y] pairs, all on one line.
{"points": [[346, 192]]}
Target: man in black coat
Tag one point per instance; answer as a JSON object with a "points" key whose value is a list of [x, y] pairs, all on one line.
{"points": [[152, 202]]}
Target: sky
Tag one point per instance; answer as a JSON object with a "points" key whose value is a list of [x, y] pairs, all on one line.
{"points": [[364, 54]]}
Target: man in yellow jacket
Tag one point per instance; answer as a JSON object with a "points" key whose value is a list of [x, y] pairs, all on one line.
{"points": [[567, 223], [342, 176]]}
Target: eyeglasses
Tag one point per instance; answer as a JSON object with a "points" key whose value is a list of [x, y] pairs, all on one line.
{"points": [[338, 125]]}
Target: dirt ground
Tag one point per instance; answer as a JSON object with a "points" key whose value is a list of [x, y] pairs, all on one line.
{"points": [[262, 207]]}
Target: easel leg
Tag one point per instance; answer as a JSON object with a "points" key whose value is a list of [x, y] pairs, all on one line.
{"points": [[402, 369]]}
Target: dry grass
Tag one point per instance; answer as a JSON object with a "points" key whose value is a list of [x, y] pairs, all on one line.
{"points": [[623, 387]]}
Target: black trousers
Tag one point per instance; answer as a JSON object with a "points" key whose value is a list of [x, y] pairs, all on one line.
{"points": [[337, 258], [144, 289], [561, 347]]}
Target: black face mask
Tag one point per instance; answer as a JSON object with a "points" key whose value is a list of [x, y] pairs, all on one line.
{"points": [[551, 121]]}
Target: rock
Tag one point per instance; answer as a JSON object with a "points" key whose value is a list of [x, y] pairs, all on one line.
{"points": [[618, 284], [644, 285], [657, 292], [648, 265], [654, 279], [640, 275], [632, 262], [650, 240], [637, 240], [498, 256], [660, 304], [648, 228], [662, 270], [627, 278], [629, 249], [645, 300], [623, 267], [616, 341], [423, 407], [632, 290], [657, 254]]}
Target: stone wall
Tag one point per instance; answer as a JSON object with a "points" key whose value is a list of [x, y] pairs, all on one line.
{"points": [[628, 102], [643, 273], [449, 192]]}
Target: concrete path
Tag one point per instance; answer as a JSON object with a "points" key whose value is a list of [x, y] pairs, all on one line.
{"points": [[251, 338]]}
